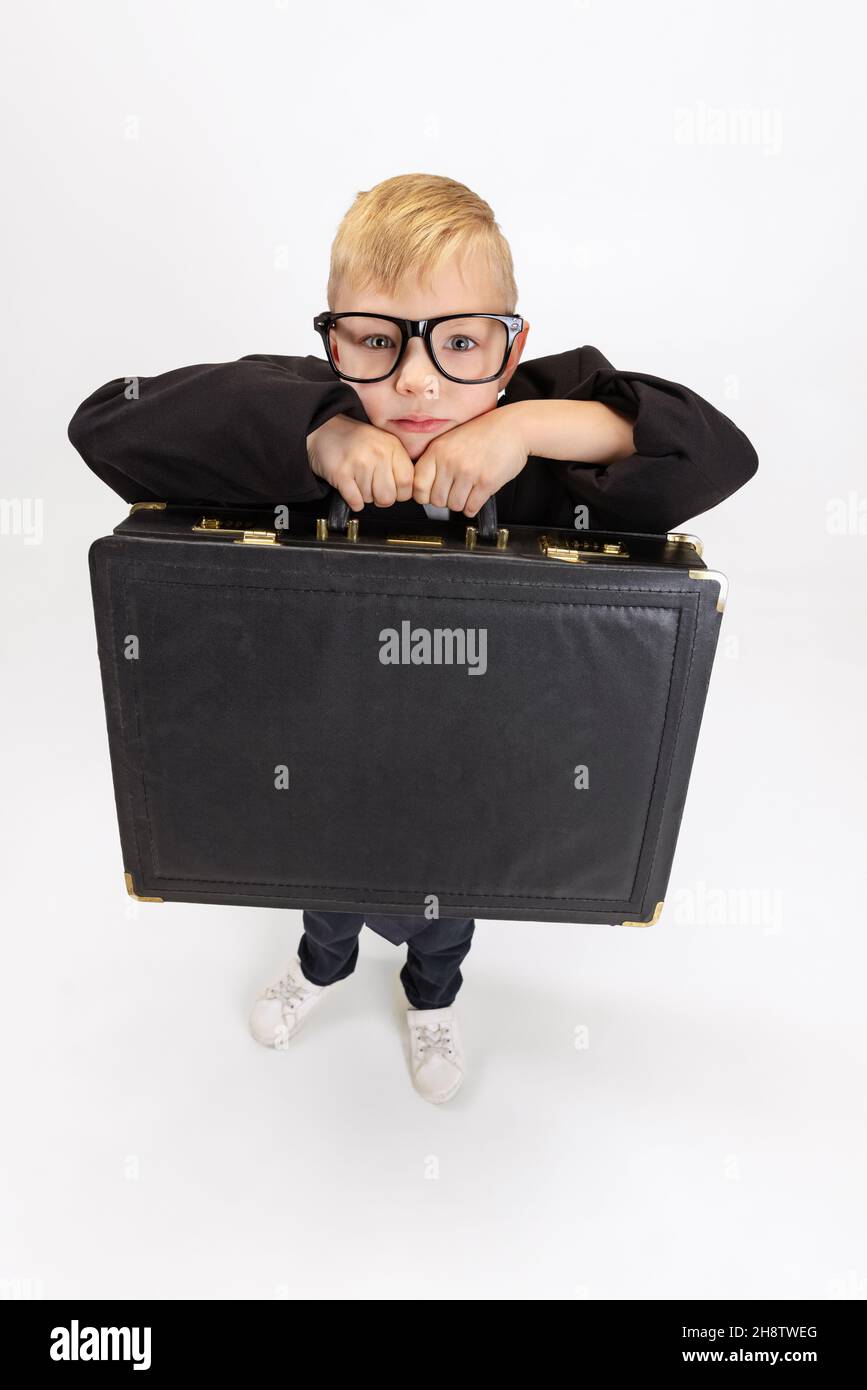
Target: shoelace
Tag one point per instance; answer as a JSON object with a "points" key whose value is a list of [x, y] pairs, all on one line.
{"points": [[287, 990], [434, 1039]]}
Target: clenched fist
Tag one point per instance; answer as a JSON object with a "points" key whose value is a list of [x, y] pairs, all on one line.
{"points": [[363, 463], [464, 466]]}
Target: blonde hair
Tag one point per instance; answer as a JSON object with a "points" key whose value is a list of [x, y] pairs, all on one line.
{"points": [[409, 225]]}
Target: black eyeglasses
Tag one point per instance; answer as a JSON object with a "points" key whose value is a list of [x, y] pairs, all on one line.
{"points": [[369, 347]]}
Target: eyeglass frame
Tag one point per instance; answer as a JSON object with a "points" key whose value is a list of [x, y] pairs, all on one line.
{"points": [[418, 328]]}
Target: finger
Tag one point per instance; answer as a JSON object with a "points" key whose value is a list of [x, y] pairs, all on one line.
{"points": [[424, 473], [476, 499], [403, 473], [383, 486], [364, 469], [349, 491], [458, 494], [442, 484]]}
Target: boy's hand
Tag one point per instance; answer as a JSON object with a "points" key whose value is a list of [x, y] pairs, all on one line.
{"points": [[466, 465], [363, 463]]}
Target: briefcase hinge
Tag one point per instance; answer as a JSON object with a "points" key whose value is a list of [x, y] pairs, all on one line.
{"points": [[214, 523], [258, 538], [565, 548]]}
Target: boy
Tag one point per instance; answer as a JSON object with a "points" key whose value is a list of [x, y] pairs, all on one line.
{"points": [[406, 415]]}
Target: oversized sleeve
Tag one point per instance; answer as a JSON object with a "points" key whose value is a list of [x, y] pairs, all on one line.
{"points": [[688, 455], [224, 433]]}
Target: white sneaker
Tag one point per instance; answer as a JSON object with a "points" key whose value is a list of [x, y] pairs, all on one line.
{"points": [[281, 1009], [436, 1053]]}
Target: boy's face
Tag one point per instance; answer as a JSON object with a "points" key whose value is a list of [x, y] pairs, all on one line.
{"points": [[416, 388]]}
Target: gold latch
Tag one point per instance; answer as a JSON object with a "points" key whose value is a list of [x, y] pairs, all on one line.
{"points": [[415, 540], [567, 548], [471, 536]]}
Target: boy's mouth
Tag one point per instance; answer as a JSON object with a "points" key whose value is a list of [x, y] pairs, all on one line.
{"points": [[418, 424]]}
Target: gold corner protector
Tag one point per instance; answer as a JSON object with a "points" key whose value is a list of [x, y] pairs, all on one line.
{"points": [[130, 888], [684, 538], [720, 579], [147, 507], [655, 918]]}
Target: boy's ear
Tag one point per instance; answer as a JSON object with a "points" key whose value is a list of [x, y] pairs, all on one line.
{"points": [[515, 355]]}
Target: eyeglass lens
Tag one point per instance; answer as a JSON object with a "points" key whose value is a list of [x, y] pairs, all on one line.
{"points": [[470, 348]]}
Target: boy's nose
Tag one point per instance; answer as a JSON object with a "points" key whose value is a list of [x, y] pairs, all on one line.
{"points": [[417, 372]]}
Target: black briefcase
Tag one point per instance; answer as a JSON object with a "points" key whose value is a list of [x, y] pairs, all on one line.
{"points": [[354, 715]]}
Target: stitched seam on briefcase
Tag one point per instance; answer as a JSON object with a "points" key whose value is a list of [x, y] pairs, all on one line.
{"points": [[419, 593], [120, 712], [377, 894], [400, 893], [109, 662], [142, 777], [694, 606], [415, 593], [679, 611], [354, 593]]}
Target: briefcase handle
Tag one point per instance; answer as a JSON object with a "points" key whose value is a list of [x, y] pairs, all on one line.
{"points": [[485, 520]]}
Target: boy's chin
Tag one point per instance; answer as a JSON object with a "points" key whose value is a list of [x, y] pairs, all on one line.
{"points": [[415, 444]]}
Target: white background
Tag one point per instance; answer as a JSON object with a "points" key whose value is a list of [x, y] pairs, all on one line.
{"points": [[682, 186]]}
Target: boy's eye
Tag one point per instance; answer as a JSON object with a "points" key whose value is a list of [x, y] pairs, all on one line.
{"points": [[460, 338], [378, 340]]}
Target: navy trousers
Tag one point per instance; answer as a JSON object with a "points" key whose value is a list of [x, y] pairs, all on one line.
{"points": [[431, 977]]}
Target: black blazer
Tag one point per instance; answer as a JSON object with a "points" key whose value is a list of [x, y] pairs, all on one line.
{"points": [[235, 432]]}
